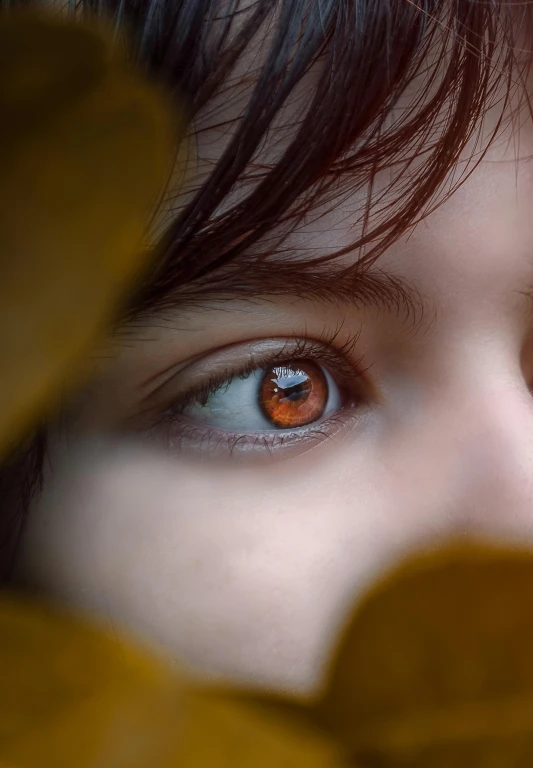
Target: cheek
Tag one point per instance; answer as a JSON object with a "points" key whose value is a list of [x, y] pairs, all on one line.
{"points": [[242, 573]]}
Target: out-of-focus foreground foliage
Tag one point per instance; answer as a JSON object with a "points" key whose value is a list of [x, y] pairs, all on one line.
{"points": [[436, 665], [85, 148]]}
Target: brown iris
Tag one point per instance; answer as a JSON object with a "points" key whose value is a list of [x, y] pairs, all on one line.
{"points": [[293, 394]]}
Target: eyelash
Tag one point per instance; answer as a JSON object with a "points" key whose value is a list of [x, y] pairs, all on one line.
{"points": [[323, 350], [303, 350], [271, 441]]}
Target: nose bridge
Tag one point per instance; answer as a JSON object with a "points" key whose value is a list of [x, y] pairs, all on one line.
{"points": [[488, 452]]}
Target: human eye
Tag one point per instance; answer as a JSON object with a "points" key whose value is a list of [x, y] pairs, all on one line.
{"points": [[261, 397]]}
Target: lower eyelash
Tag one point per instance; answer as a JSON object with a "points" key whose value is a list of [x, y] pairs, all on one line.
{"points": [[208, 439]]}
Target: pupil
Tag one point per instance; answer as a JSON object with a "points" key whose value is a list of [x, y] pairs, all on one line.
{"points": [[296, 392], [292, 385]]}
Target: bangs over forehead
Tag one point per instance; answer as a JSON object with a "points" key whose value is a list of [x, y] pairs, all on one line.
{"points": [[394, 89]]}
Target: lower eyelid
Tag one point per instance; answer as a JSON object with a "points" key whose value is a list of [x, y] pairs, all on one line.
{"points": [[184, 436]]}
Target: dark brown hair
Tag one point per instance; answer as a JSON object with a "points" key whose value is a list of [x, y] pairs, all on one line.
{"points": [[364, 54]]}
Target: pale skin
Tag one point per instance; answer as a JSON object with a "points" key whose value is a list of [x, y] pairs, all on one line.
{"points": [[244, 566]]}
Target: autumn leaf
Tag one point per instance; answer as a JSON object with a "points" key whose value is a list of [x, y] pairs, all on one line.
{"points": [[435, 667], [73, 695], [86, 147]]}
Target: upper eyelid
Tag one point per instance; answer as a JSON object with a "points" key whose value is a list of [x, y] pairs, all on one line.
{"points": [[224, 380]]}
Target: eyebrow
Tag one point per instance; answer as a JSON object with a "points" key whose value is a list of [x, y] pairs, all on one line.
{"points": [[360, 288]]}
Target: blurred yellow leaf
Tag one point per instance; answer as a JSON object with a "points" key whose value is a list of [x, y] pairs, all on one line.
{"points": [[74, 696], [435, 668], [225, 730], [86, 147]]}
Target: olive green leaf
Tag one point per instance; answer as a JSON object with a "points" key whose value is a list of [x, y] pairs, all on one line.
{"points": [[86, 146], [435, 667], [73, 695]]}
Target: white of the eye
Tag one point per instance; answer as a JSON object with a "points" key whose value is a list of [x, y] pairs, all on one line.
{"points": [[236, 406]]}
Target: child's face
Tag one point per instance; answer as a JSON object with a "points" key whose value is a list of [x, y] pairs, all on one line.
{"points": [[245, 564]]}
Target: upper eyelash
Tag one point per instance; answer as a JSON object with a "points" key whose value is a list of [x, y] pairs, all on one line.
{"points": [[302, 348]]}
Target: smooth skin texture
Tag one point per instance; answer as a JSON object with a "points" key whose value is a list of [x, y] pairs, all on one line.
{"points": [[244, 566]]}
